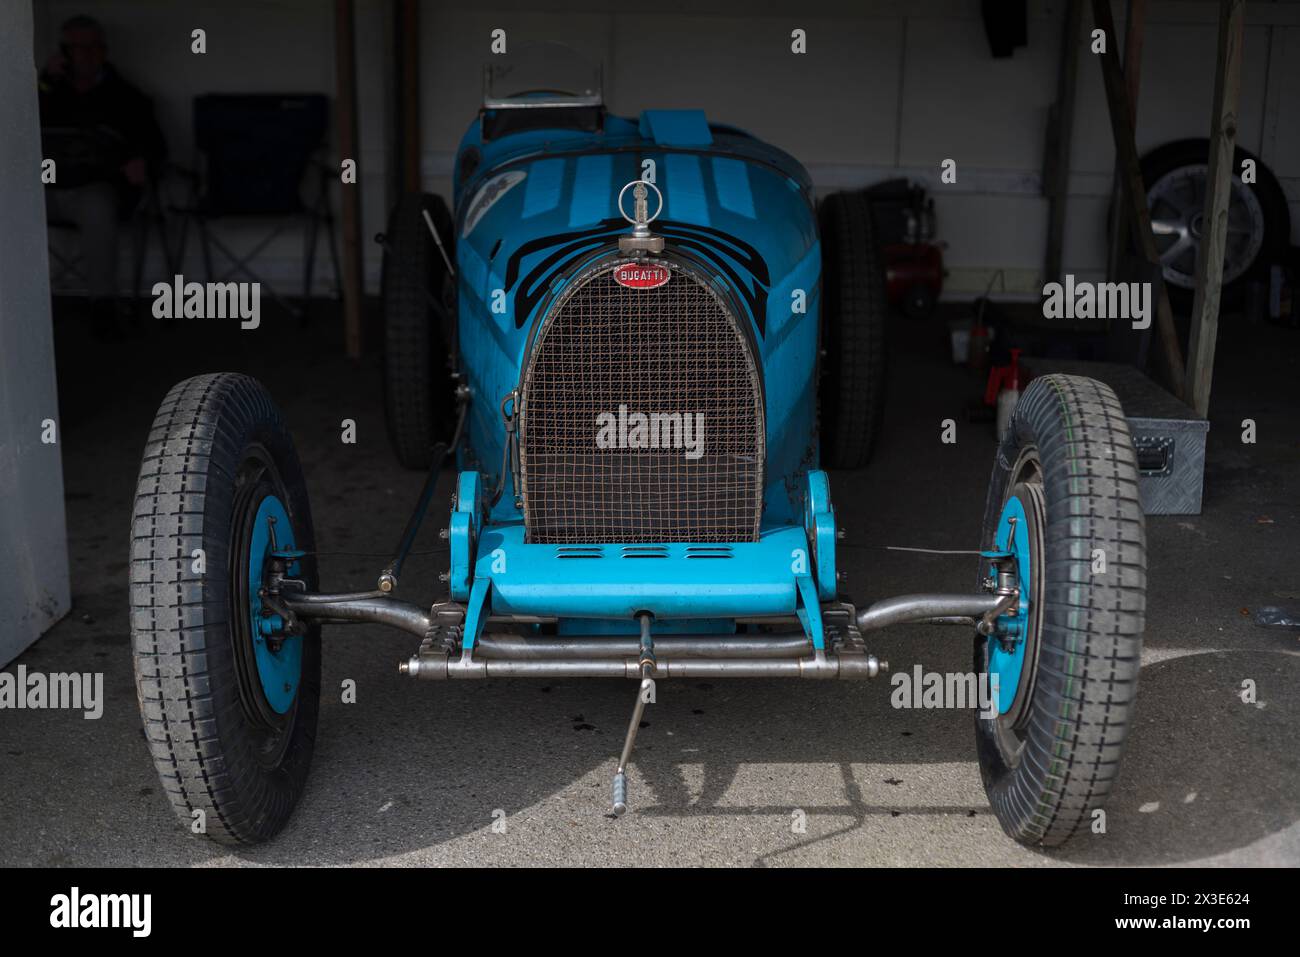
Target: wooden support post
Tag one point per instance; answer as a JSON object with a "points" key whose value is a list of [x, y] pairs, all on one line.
{"points": [[1214, 233], [1135, 21], [1056, 173], [345, 112], [1135, 197]]}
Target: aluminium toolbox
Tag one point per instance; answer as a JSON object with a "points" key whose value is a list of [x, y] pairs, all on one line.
{"points": [[1169, 436]]}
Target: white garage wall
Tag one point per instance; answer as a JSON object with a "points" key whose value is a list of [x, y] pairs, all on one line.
{"points": [[34, 591], [886, 88]]}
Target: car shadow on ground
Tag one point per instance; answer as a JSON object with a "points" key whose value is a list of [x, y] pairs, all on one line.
{"points": [[449, 768]]}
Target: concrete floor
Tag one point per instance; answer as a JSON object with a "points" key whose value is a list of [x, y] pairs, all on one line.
{"points": [[412, 773]]}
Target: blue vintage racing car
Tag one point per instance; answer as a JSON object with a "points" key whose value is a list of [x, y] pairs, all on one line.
{"points": [[640, 342]]}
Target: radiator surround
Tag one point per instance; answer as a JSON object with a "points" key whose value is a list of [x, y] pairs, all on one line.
{"points": [[685, 348]]}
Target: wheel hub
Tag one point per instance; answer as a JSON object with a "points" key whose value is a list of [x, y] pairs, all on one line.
{"points": [[278, 652], [1007, 643], [1177, 204]]}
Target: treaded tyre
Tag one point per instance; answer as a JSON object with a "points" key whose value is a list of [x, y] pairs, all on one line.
{"points": [[229, 714], [418, 302], [1063, 498], [853, 330]]}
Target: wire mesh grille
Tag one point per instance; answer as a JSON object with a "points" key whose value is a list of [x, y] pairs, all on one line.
{"points": [[593, 471]]}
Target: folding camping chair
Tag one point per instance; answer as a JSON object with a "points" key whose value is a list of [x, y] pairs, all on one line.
{"points": [[82, 157], [256, 151]]}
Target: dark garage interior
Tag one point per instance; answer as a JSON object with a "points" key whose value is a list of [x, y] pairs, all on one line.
{"points": [[1000, 162]]}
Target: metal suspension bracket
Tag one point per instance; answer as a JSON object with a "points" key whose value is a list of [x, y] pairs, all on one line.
{"points": [[644, 695], [992, 612], [278, 622], [1000, 620]]}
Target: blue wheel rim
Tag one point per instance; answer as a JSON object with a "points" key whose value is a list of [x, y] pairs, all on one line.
{"points": [[1008, 666], [279, 670]]}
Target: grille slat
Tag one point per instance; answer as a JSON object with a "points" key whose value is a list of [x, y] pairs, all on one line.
{"points": [[674, 349]]}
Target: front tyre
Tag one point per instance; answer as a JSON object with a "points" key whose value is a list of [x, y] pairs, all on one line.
{"points": [[229, 702], [1063, 500]]}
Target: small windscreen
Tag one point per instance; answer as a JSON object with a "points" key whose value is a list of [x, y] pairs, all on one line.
{"points": [[541, 75]]}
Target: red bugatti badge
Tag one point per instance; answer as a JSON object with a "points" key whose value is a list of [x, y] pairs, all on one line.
{"points": [[640, 275]]}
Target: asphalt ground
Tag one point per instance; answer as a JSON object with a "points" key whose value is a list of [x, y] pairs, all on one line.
{"points": [[416, 774]]}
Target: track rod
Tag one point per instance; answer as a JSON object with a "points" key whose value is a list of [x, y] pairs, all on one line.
{"points": [[443, 667]]}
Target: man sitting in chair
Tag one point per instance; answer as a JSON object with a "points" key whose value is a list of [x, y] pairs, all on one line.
{"points": [[101, 132]]}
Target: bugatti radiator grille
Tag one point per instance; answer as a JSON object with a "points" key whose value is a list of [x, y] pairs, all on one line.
{"points": [[641, 416]]}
